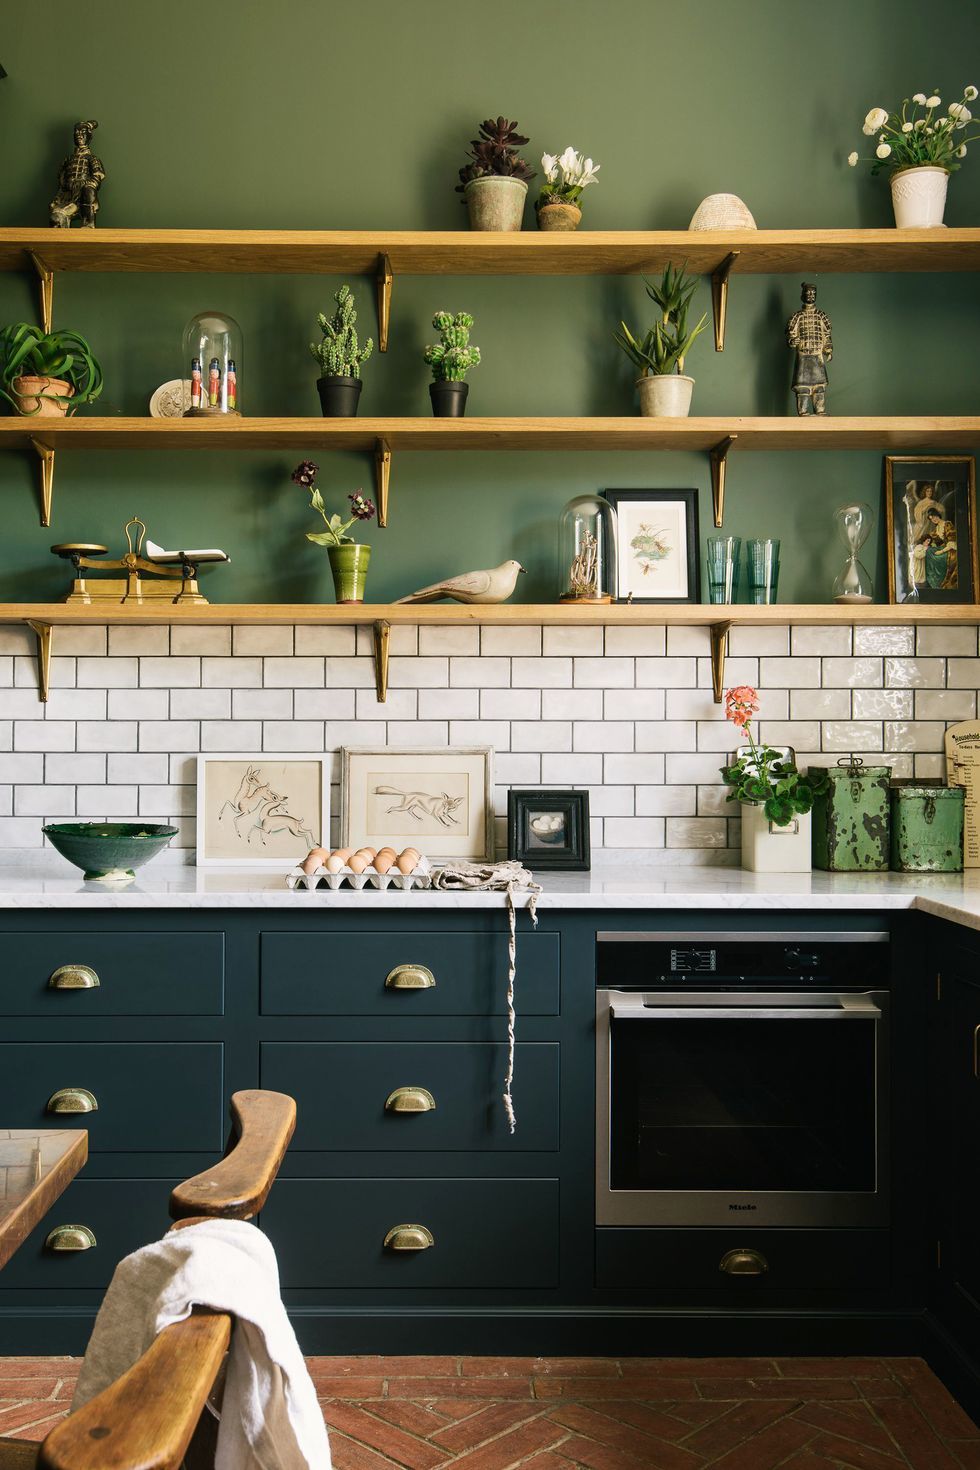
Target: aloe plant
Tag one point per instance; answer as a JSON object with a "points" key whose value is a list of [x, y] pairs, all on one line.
{"points": [[27, 351], [668, 341]]}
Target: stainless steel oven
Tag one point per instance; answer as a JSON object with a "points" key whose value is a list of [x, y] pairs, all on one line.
{"points": [[742, 1076]]}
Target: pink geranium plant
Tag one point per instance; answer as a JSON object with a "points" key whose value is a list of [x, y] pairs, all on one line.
{"points": [[762, 776]]}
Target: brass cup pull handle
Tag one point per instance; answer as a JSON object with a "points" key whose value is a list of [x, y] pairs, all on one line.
{"points": [[743, 1262], [410, 1100], [410, 977], [70, 1238], [73, 977], [72, 1100], [408, 1238]]}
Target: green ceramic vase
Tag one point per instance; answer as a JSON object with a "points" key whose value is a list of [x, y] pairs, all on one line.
{"points": [[349, 565]]}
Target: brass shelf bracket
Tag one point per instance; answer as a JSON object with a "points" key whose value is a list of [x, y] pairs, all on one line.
{"points": [[45, 280], [719, 464], [382, 642], [719, 297], [719, 647], [45, 454], [385, 279], [43, 632], [382, 478]]}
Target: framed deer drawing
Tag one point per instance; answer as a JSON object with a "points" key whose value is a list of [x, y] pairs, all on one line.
{"points": [[438, 801], [256, 811]]}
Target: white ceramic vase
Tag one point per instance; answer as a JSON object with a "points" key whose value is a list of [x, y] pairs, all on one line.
{"points": [[665, 395], [767, 848], [919, 197], [495, 203]]}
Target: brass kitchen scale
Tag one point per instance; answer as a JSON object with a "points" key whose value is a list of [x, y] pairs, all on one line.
{"points": [[149, 571]]}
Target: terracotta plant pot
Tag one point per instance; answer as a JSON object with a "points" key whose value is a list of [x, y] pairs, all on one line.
{"points": [[339, 396], [28, 392], [665, 396], [448, 399], [559, 217], [919, 197], [496, 203], [349, 565]]}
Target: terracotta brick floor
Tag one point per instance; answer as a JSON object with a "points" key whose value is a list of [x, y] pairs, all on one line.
{"points": [[599, 1413]]}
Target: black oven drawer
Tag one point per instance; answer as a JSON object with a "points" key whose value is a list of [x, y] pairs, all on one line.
{"points": [[756, 1260]]}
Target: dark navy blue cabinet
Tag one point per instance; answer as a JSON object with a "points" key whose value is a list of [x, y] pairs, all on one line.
{"points": [[349, 1015]]}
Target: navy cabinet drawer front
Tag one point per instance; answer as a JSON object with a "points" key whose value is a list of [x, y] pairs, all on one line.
{"points": [[152, 1096], [144, 974], [795, 1259], [331, 974], [122, 1214], [341, 1090], [486, 1232]]}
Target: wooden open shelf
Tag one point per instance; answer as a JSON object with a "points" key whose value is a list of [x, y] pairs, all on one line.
{"points": [[44, 617], [383, 436]]}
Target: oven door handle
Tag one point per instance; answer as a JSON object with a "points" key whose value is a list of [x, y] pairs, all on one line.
{"points": [[843, 1008]]}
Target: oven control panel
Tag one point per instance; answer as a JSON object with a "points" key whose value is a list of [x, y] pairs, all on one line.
{"points": [[852, 959]]}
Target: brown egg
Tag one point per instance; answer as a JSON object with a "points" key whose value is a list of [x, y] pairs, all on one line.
{"points": [[313, 860], [357, 864], [383, 862], [408, 861], [334, 863], [343, 853], [411, 852], [369, 852]]}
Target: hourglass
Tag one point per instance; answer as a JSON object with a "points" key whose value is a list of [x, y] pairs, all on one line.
{"points": [[853, 582]]}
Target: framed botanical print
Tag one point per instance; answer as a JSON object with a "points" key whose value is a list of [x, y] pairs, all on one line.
{"points": [[657, 550], [931, 525], [441, 801], [260, 811], [549, 830]]}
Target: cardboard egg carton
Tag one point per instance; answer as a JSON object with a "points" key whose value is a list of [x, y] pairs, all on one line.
{"points": [[324, 882]]}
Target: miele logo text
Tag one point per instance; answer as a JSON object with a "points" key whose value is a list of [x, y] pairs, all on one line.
{"points": [[743, 1207]]}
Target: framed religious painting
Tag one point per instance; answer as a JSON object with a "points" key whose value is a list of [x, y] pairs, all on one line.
{"points": [[657, 549], [931, 526], [256, 811]]}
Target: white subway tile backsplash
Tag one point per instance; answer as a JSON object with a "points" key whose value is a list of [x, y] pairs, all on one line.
{"points": [[800, 734], [601, 735], [915, 673], [63, 673], [875, 639], [945, 704], [603, 673], [108, 801], [200, 704], [138, 704], [138, 642], [632, 704], [518, 640], [544, 735], [45, 734], [852, 673], [264, 704], [696, 832], [446, 704], [514, 704], [523, 769], [683, 640], [403, 641], [98, 735], [177, 735], [459, 641], [79, 768], [535, 673], [40, 801], [955, 642], [633, 831], [820, 704], [926, 768], [694, 769], [27, 767], [73, 641], [288, 735], [313, 640], [573, 770], [293, 673], [916, 735], [137, 770], [170, 673], [317, 704], [963, 673], [579, 641], [641, 642], [495, 733], [611, 801], [262, 642], [212, 735], [852, 735], [667, 673], [663, 801], [199, 639], [633, 770], [18, 639], [77, 704], [353, 732], [666, 735], [231, 673], [752, 642], [822, 641], [882, 704], [788, 673]]}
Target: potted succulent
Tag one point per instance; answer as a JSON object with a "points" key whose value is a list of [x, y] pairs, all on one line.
{"points": [[664, 390], [776, 798], [340, 358], [919, 149], [565, 178], [47, 374], [348, 560], [450, 361], [494, 184]]}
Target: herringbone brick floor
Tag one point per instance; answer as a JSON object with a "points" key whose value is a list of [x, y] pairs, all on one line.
{"points": [[599, 1413]]}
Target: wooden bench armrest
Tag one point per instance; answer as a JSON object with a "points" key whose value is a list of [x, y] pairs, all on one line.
{"points": [[146, 1419], [237, 1188]]}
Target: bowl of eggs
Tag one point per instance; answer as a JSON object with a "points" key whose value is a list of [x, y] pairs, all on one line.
{"points": [[378, 867]]}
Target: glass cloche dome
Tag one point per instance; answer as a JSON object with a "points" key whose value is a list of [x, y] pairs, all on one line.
{"points": [[587, 551], [212, 360]]}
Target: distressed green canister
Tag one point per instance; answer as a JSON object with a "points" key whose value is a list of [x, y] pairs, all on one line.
{"points": [[851, 818], [927, 827]]}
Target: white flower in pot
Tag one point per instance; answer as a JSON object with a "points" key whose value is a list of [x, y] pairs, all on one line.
{"points": [[665, 391], [565, 178], [920, 147]]}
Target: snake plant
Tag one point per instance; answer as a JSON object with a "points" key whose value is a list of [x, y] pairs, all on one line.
{"points": [[27, 351]]}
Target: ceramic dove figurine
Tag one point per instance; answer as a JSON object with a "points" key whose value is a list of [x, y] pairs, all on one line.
{"points": [[493, 585]]}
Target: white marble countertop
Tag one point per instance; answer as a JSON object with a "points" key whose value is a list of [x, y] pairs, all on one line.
{"points": [[954, 896]]}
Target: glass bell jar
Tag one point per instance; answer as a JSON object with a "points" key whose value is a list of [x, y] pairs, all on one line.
{"points": [[853, 582], [212, 361], [587, 550]]}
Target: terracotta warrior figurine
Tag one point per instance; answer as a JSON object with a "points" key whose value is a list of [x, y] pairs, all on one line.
{"points": [[79, 181], [808, 333]]}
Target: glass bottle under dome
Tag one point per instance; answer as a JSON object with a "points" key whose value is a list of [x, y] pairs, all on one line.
{"points": [[212, 360], [587, 551]]}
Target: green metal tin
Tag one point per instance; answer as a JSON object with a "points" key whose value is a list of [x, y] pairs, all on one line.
{"points": [[927, 827], [851, 819]]}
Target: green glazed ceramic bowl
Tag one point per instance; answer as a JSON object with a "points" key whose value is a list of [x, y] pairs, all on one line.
{"points": [[110, 851]]}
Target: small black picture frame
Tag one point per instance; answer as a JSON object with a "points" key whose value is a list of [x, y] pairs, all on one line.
{"points": [[548, 831], [658, 551]]}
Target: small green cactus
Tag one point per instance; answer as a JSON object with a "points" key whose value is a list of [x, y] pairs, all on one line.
{"points": [[338, 354], [452, 358]]}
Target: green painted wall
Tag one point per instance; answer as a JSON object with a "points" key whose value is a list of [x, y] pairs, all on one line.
{"points": [[317, 114]]}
